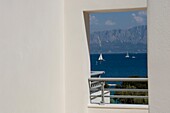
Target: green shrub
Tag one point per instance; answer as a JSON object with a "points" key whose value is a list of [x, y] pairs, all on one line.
{"points": [[131, 85]]}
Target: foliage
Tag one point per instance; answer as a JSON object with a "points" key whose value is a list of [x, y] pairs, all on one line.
{"points": [[131, 85]]}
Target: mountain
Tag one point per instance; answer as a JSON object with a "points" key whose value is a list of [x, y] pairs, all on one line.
{"points": [[133, 40]]}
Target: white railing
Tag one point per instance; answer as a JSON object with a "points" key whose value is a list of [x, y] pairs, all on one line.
{"points": [[100, 94], [96, 73]]}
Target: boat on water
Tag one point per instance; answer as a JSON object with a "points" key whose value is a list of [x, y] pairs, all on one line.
{"points": [[127, 55], [133, 57], [101, 57]]}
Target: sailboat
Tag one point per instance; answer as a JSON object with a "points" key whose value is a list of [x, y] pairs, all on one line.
{"points": [[127, 55], [133, 57], [101, 57], [100, 44]]}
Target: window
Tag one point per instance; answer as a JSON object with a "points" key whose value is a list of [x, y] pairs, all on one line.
{"points": [[118, 55]]}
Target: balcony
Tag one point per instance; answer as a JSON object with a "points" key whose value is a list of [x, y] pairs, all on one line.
{"points": [[104, 97]]}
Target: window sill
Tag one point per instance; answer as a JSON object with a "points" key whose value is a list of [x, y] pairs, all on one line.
{"points": [[119, 106]]}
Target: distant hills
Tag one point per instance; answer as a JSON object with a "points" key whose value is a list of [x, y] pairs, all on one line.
{"points": [[132, 40]]}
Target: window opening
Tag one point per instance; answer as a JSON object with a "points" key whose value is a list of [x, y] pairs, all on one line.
{"points": [[118, 56]]}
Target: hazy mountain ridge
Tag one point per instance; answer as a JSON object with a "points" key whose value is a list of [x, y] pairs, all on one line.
{"points": [[119, 41]]}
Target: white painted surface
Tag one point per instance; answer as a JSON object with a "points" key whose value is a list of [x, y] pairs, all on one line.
{"points": [[31, 56], [77, 63], [159, 55], [116, 110], [119, 106]]}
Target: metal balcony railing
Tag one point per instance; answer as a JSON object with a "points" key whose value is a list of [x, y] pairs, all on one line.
{"points": [[103, 90]]}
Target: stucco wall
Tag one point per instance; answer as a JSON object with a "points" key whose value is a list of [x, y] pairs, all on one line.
{"points": [[77, 65], [159, 55], [31, 56]]}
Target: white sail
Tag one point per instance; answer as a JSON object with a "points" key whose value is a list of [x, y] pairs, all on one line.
{"points": [[127, 55], [100, 58], [100, 44]]}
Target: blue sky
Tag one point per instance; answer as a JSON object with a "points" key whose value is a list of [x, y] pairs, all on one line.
{"points": [[117, 20]]}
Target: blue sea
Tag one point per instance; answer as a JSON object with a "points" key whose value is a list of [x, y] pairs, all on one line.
{"points": [[116, 65]]}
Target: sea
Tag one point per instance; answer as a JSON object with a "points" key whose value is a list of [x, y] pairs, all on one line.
{"points": [[118, 66]]}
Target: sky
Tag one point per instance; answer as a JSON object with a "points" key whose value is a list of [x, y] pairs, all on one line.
{"points": [[117, 20]]}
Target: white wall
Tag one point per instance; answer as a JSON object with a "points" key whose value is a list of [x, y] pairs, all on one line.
{"points": [[31, 56], [77, 65], [159, 55]]}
